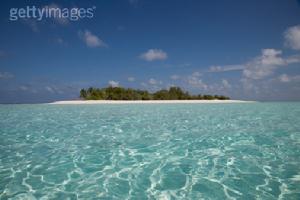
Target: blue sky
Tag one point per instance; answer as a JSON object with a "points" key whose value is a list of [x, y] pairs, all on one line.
{"points": [[243, 49]]}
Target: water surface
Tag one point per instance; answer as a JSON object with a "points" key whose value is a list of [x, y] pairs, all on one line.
{"points": [[176, 151]]}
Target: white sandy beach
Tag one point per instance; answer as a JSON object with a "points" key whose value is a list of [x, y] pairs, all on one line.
{"points": [[147, 101]]}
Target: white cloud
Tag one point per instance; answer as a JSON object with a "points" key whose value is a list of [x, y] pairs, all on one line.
{"points": [[54, 89], [27, 88], [260, 66], [144, 84], [131, 79], [154, 54], [293, 59], [226, 68], [168, 85], [23, 88], [6, 75], [49, 89], [90, 39], [292, 37], [264, 65], [286, 78], [175, 77], [194, 81], [152, 84], [255, 72], [247, 84], [295, 78], [197, 74], [197, 83], [153, 81], [226, 84], [113, 83]]}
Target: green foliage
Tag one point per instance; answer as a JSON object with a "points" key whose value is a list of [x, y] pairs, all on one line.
{"points": [[161, 95], [119, 93], [83, 94]]}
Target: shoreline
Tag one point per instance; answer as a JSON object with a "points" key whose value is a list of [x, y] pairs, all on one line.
{"points": [[77, 102]]}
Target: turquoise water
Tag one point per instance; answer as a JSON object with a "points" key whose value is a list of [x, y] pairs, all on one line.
{"points": [[175, 151]]}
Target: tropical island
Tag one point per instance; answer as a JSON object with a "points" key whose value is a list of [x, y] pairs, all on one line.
{"points": [[120, 93]]}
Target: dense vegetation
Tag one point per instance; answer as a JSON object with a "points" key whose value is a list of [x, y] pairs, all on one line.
{"points": [[119, 93]]}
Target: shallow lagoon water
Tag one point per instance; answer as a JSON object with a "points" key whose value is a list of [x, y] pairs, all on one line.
{"points": [[175, 151]]}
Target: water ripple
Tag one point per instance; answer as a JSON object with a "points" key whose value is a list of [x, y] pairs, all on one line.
{"points": [[232, 151]]}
